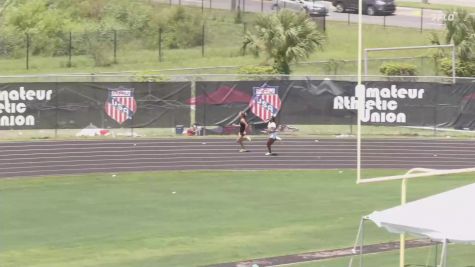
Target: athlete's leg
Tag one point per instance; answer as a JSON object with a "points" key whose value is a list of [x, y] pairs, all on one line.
{"points": [[240, 142], [270, 141]]}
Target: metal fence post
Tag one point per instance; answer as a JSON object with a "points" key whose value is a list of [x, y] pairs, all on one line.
{"points": [[203, 40], [210, 4], [159, 44], [56, 96], [193, 96], [202, 6], [27, 51], [262, 6], [70, 50], [348, 18], [115, 46], [243, 5], [244, 31], [384, 21]]}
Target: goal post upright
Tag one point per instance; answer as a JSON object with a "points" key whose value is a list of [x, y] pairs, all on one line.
{"points": [[358, 92], [452, 46]]}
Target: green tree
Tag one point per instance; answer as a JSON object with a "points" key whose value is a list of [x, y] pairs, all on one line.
{"points": [[284, 38], [460, 31]]}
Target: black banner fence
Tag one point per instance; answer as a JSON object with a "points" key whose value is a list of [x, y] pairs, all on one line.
{"points": [[106, 106], [307, 106]]}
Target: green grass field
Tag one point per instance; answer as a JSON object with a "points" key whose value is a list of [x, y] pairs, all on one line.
{"points": [[470, 9], [222, 48], [135, 219]]}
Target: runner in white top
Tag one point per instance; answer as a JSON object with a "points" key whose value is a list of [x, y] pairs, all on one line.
{"points": [[272, 131]]}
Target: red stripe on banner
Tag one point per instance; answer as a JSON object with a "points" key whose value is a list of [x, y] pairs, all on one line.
{"points": [[133, 104], [269, 102], [264, 107], [116, 115], [110, 111], [119, 118], [261, 107], [275, 101], [257, 111], [276, 105]]}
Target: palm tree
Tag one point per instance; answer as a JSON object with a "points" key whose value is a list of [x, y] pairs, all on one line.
{"points": [[460, 27], [284, 38]]}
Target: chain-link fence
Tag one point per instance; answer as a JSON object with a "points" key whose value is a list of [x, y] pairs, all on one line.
{"points": [[214, 34]]}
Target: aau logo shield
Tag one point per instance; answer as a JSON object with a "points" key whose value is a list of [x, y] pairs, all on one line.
{"points": [[120, 104], [265, 102]]}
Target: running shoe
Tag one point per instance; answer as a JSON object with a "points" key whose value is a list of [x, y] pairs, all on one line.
{"points": [[243, 150], [268, 154], [278, 138], [248, 138]]}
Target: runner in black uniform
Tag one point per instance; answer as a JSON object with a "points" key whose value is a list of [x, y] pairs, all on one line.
{"points": [[243, 125]]}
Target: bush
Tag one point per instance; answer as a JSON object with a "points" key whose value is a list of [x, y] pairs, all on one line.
{"points": [[182, 29], [462, 68], [398, 69], [99, 47]]}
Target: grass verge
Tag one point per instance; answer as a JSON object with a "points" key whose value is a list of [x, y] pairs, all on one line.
{"points": [[190, 218], [434, 6]]}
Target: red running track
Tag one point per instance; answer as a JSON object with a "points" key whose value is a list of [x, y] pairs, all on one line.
{"points": [[42, 158]]}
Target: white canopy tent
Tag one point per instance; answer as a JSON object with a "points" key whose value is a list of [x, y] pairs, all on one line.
{"points": [[447, 217]]}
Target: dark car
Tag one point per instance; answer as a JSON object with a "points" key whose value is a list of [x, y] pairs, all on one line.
{"points": [[370, 7]]}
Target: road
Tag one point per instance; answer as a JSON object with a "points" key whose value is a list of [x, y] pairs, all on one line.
{"points": [[404, 17]]}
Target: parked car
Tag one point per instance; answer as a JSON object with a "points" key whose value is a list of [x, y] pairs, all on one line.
{"points": [[370, 7], [312, 8]]}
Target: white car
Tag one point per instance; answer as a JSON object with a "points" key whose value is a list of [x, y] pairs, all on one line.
{"points": [[312, 8]]}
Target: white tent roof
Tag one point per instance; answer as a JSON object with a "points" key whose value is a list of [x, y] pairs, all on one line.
{"points": [[449, 215]]}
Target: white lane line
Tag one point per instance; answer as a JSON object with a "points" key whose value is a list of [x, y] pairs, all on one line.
{"points": [[41, 166], [225, 167], [184, 150], [231, 141], [212, 141], [177, 164], [176, 156], [103, 145], [169, 147], [173, 167], [391, 151]]}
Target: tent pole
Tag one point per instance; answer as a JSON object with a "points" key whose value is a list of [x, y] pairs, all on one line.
{"points": [[443, 254], [361, 243], [357, 240], [402, 238]]}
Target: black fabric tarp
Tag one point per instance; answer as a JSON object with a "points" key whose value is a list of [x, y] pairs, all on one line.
{"points": [[303, 102], [77, 105], [309, 102]]}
